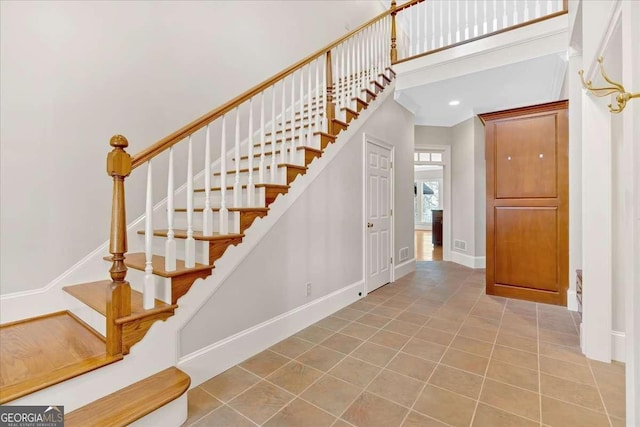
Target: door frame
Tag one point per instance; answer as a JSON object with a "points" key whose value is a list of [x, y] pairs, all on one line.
{"points": [[446, 203], [366, 139]]}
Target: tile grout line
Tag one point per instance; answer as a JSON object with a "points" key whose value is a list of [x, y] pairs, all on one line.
{"points": [[606, 411], [484, 377]]}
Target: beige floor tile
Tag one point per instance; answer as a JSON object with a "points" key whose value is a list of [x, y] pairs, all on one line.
{"points": [[482, 334], [560, 414], [614, 368], [372, 411], [355, 371], [314, 334], [374, 353], [373, 320], [359, 330], [481, 322], [424, 349], [412, 366], [470, 345], [320, 358], [445, 406], [341, 423], [292, 347], [404, 328], [571, 354], [294, 377], [385, 311], [614, 398], [199, 404], [488, 312], [415, 318], [230, 383], [264, 363], [458, 381], [342, 343], [566, 370], [566, 326], [396, 387], [559, 338], [517, 342], [261, 401], [520, 329], [434, 335], [443, 325], [452, 314], [299, 413], [362, 306], [332, 323], [465, 361], [487, 416], [618, 422], [572, 392], [514, 375], [423, 309], [331, 394], [511, 399], [415, 419], [348, 314], [516, 357], [389, 339], [375, 299], [224, 417]]}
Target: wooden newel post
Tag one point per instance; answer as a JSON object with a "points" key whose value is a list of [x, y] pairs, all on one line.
{"points": [[330, 107], [394, 47], [119, 293]]}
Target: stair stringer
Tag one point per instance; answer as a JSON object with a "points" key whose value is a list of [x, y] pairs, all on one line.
{"points": [[159, 349]]}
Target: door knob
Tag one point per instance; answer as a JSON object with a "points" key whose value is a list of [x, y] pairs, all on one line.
{"points": [[369, 224]]}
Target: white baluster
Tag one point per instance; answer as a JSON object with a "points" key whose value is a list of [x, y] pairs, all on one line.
{"points": [[273, 132], [318, 95], [251, 189], [237, 188], [148, 294], [207, 213], [441, 6], [292, 150], [359, 63], [261, 167], [495, 15], [457, 21], [538, 10], [525, 17], [448, 23], [466, 20], [433, 24], [190, 243], [302, 116], [549, 7], [224, 212], [485, 20], [346, 86], [515, 13], [170, 244], [309, 96], [340, 80], [505, 18], [424, 6], [475, 18], [323, 68], [410, 15], [283, 124]]}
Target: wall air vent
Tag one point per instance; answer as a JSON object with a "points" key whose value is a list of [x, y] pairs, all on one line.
{"points": [[460, 245], [404, 254]]}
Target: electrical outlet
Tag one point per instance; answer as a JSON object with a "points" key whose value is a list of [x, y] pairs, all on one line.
{"points": [[308, 289]]}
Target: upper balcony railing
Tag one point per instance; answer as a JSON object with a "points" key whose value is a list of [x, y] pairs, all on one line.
{"points": [[431, 26]]}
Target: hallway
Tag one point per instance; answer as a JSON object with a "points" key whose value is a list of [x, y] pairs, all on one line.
{"points": [[430, 349], [425, 250]]}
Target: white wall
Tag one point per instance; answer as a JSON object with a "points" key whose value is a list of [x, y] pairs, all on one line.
{"points": [[319, 240], [75, 73], [432, 135], [480, 188]]}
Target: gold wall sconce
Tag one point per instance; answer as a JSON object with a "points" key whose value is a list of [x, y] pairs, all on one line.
{"points": [[622, 97]]}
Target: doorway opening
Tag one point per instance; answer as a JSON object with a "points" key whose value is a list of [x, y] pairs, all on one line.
{"points": [[428, 205]]}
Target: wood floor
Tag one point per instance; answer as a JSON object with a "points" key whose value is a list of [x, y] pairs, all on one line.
{"points": [[425, 251], [43, 351]]}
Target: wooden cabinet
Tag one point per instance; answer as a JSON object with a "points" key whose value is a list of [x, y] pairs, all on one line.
{"points": [[527, 202]]}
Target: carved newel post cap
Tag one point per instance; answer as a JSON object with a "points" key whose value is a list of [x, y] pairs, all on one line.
{"points": [[118, 160], [118, 141]]}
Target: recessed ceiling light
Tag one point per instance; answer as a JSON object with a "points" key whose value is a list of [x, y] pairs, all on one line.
{"points": [[454, 103]]}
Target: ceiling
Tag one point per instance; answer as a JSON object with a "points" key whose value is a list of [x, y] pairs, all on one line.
{"points": [[528, 82]]}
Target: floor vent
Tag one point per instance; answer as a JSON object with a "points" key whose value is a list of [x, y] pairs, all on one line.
{"points": [[460, 245]]}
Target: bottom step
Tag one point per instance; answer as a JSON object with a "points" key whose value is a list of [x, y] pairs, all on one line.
{"points": [[133, 402], [42, 351]]}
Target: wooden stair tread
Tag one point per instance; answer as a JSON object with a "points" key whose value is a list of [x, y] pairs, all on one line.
{"points": [[94, 294], [280, 165], [230, 187], [247, 209], [345, 124], [303, 147], [133, 402], [197, 235], [137, 261], [42, 351]]}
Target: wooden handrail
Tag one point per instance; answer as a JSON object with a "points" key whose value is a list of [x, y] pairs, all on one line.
{"points": [[172, 139]]}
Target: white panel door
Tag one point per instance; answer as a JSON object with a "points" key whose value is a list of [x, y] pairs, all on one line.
{"points": [[378, 209]]}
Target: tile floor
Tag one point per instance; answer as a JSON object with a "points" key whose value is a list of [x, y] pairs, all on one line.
{"points": [[429, 350]]}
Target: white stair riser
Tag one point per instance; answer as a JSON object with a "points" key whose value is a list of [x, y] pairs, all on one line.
{"points": [[202, 248], [180, 221], [281, 177], [216, 196], [298, 160]]}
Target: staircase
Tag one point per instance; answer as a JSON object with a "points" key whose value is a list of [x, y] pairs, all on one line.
{"points": [[266, 138]]}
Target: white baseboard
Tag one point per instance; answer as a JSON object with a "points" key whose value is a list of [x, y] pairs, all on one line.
{"points": [[618, 346], [572, 300], [404, 268], [218, 357], [468, 260]]}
